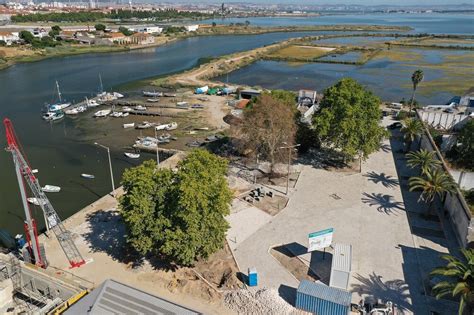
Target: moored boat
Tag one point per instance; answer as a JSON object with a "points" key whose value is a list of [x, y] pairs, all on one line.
{"points": [[153, 100], [91, 103], [116, 114], [132, 155], [51, 188], [170, 126], [126, 109], [144, 125], [152, 93], [53, 116], [36, 201], [130, 125], [87, 176], [103, 113], [140, 108]]}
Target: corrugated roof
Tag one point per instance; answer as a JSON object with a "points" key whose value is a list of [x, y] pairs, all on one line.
{"points": [[113, 297], [342, 257], [322, 291]]}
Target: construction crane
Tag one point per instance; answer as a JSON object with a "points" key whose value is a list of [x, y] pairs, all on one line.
{"points": [[26, 178]]}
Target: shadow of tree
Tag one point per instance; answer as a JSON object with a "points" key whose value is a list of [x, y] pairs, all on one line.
{"points": [[386, 180], [384, 203], [396, 291], [385, 147], [323, 158]]}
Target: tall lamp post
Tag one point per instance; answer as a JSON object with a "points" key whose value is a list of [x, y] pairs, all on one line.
{"points": [[290, 148], [110, 167]]}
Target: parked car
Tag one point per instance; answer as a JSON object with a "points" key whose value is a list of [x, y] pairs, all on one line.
{"points": [[395, 125]]}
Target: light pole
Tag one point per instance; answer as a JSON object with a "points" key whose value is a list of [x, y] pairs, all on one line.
{"points": [[157, 151], [110, 167], [290, 148]]}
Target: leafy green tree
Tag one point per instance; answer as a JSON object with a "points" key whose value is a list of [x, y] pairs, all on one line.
{"points": [[416, 79], [348, 120], [459, 274], [412, 128], [55, 31], [214, 24], [100, 27], [434, 183], [178, 215], [423, 159], [125, 31], [465, 146], [27, 36]]}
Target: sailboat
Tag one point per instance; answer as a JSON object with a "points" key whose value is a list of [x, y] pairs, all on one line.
{"points": [[60, 105]]}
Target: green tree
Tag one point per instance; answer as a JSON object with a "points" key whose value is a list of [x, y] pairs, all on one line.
{"points": [[465, 146], [100, 27], [27, 36], [179, 215], [459, 274], [412, 128], [125, 31], [416, 79], [423, 159], [55, 31], [348, 120], [434, 183], [214, 24]]}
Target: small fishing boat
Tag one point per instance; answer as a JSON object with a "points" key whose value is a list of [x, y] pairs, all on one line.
{"points": [[88, 176], [34, 171], [51, 189], [126, 109], [130, 125], [75, 110], [193, 144], [91, 103], [152, 94], [125, 114], [140, 108], [182, 105], [36, 201], [165, 136], [103, 113], [153, 100], [116, 114], [59, 105], [52, 116], [117, 95], [170, 126], [197, 106], [132, 155], [169, 94], [144, 125]]}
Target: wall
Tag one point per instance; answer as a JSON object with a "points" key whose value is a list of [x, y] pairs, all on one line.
{"points": [[467, 180], [443, 120], [455, 205]]}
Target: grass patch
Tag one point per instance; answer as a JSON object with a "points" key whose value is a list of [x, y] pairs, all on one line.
{"points": [[301, 52], [399, 55]]}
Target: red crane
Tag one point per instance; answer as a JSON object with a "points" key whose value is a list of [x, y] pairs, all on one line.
{"points": [[26, 178]]}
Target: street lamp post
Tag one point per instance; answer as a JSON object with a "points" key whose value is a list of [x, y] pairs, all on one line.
{"points": [[290, 148], [110, 166]]}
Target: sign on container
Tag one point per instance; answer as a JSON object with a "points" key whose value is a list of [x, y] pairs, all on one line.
{"points": [[320, 239]]}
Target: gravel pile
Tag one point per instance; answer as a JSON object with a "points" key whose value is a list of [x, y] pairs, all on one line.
{"points": [[263, 301]]}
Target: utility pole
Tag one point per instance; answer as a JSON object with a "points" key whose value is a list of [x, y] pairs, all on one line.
{"points": [[290, 148], [110, 167]]}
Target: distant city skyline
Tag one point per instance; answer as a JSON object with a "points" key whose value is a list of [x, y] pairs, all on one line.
{"points": [[342, 2]]}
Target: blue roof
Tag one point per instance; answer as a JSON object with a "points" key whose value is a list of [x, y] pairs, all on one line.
{"points": [[471, 103], [323, 292]]}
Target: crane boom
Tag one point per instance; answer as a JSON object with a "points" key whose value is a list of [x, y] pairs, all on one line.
{"points": [[26, 177]]}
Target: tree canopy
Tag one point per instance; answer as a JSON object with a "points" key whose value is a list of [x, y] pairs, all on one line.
{"points": [[177, 215], [100, 27], [348, 119], [464, 150]]}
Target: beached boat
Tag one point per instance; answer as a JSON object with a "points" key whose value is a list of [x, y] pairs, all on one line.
{"points": [[117, 95], [132, 155], [169, 94], [126, 109], [140, 108], [116, 114], [130, 125], [75, 110], [53, 116], [153, 100], [125, 114], [34, 171], [88, 176], [170, 126], [36, 201], [91, 103], [51, 188], [196, 106], [103, 113], [144, 125], [183, 105], [152, 94]]}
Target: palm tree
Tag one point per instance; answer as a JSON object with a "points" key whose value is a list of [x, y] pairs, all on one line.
{"points": [[423, 159], [434, 183], [460, 280], [416, 78], [411, 129]]}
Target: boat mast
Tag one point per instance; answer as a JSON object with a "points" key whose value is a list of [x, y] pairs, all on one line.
{"points": [[59, 92], [101, 86]]}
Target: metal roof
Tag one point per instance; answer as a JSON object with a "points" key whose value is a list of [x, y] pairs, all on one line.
{"points": [[323, 292], [113, 297], [342, 257]]}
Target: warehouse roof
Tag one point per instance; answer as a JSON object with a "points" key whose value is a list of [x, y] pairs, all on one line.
{"points": [[113, 297], [323, 292]]}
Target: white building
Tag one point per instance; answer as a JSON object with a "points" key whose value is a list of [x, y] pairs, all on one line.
{"points": [[39, 32], [191, 28], [150, 30], [9, 37]]}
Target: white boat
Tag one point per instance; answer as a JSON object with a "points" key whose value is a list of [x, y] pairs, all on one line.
{"points": [[103, 113], [170, 126], [75, 110], [153, 100], [51, 188], [34, 171], [91, 103], [125, 114], [140, 107], [132, 155], [130, 125], [88, 176], [126, 109], [144, 125], [182, 105], [52, 116], [169, 94], [116, 114], [117, 95], [152, 94], [60, 105], [36, 201]]}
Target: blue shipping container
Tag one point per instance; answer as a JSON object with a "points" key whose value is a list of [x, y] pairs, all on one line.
{"points": [[320, 299]]}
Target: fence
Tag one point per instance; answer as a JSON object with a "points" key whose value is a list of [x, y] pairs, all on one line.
{"points": [[454, 204], [441, 120]]}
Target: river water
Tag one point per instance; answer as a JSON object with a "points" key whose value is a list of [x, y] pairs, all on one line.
{"points": [[62, 150]]}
